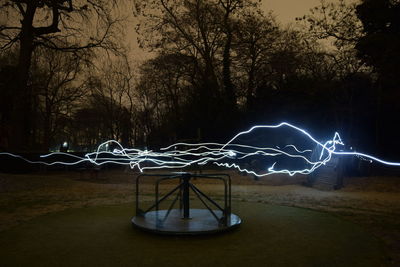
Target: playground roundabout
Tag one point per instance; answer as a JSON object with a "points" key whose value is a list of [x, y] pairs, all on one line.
{"points": [[268, 236]]}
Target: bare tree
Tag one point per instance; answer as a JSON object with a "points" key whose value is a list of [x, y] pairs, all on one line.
{"points": [[203, 31], [65, 25], [191, 28], [229, 10], [337, 20], [166, 89], [337, 23], [257, 36], [57, 89], [110, 95]]}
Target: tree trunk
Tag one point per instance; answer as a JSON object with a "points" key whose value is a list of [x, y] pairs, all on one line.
{"points": [[47, 129], [21, 122]]}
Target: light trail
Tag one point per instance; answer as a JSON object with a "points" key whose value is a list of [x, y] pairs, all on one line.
{"points": [[232, 154]]}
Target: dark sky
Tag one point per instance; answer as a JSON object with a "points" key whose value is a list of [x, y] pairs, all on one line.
{"points": [[287, 10]]}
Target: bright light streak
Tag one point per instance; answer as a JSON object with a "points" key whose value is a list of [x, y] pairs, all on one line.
{"points": [[232, 154]]}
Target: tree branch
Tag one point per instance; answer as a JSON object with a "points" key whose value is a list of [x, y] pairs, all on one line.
{"points": [[10, 42], [53, 28], [21, 9]]}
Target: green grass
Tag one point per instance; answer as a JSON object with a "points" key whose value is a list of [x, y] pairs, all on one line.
{"points": [[269, 236]]}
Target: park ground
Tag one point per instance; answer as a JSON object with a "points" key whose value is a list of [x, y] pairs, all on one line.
{"points": [[373, 203]]}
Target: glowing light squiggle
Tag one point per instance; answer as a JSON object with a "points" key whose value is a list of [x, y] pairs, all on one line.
{"points": [[230, 155]]}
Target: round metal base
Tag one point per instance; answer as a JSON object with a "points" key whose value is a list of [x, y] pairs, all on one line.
{"points": [[200, 222]]}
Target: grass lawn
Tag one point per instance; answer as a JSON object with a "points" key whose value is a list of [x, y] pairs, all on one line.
{"points": [[270, 235], [65, 219]]}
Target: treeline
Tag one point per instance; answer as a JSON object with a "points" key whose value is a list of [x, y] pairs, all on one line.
{"points": [[219, 66]]}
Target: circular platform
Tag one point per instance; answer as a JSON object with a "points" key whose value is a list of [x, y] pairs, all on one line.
{"points": [[201, 222]]}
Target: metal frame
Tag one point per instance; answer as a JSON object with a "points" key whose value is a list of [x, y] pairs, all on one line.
{"points": [[182, 191]]}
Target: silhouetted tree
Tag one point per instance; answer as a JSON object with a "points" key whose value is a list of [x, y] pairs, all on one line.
{"points": [[55, 24], [336, 24], [256, 39], [230, 8], [203, 31], [57, 89], [95, 122], [379, 48], [335, 20], [109, 89]]}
